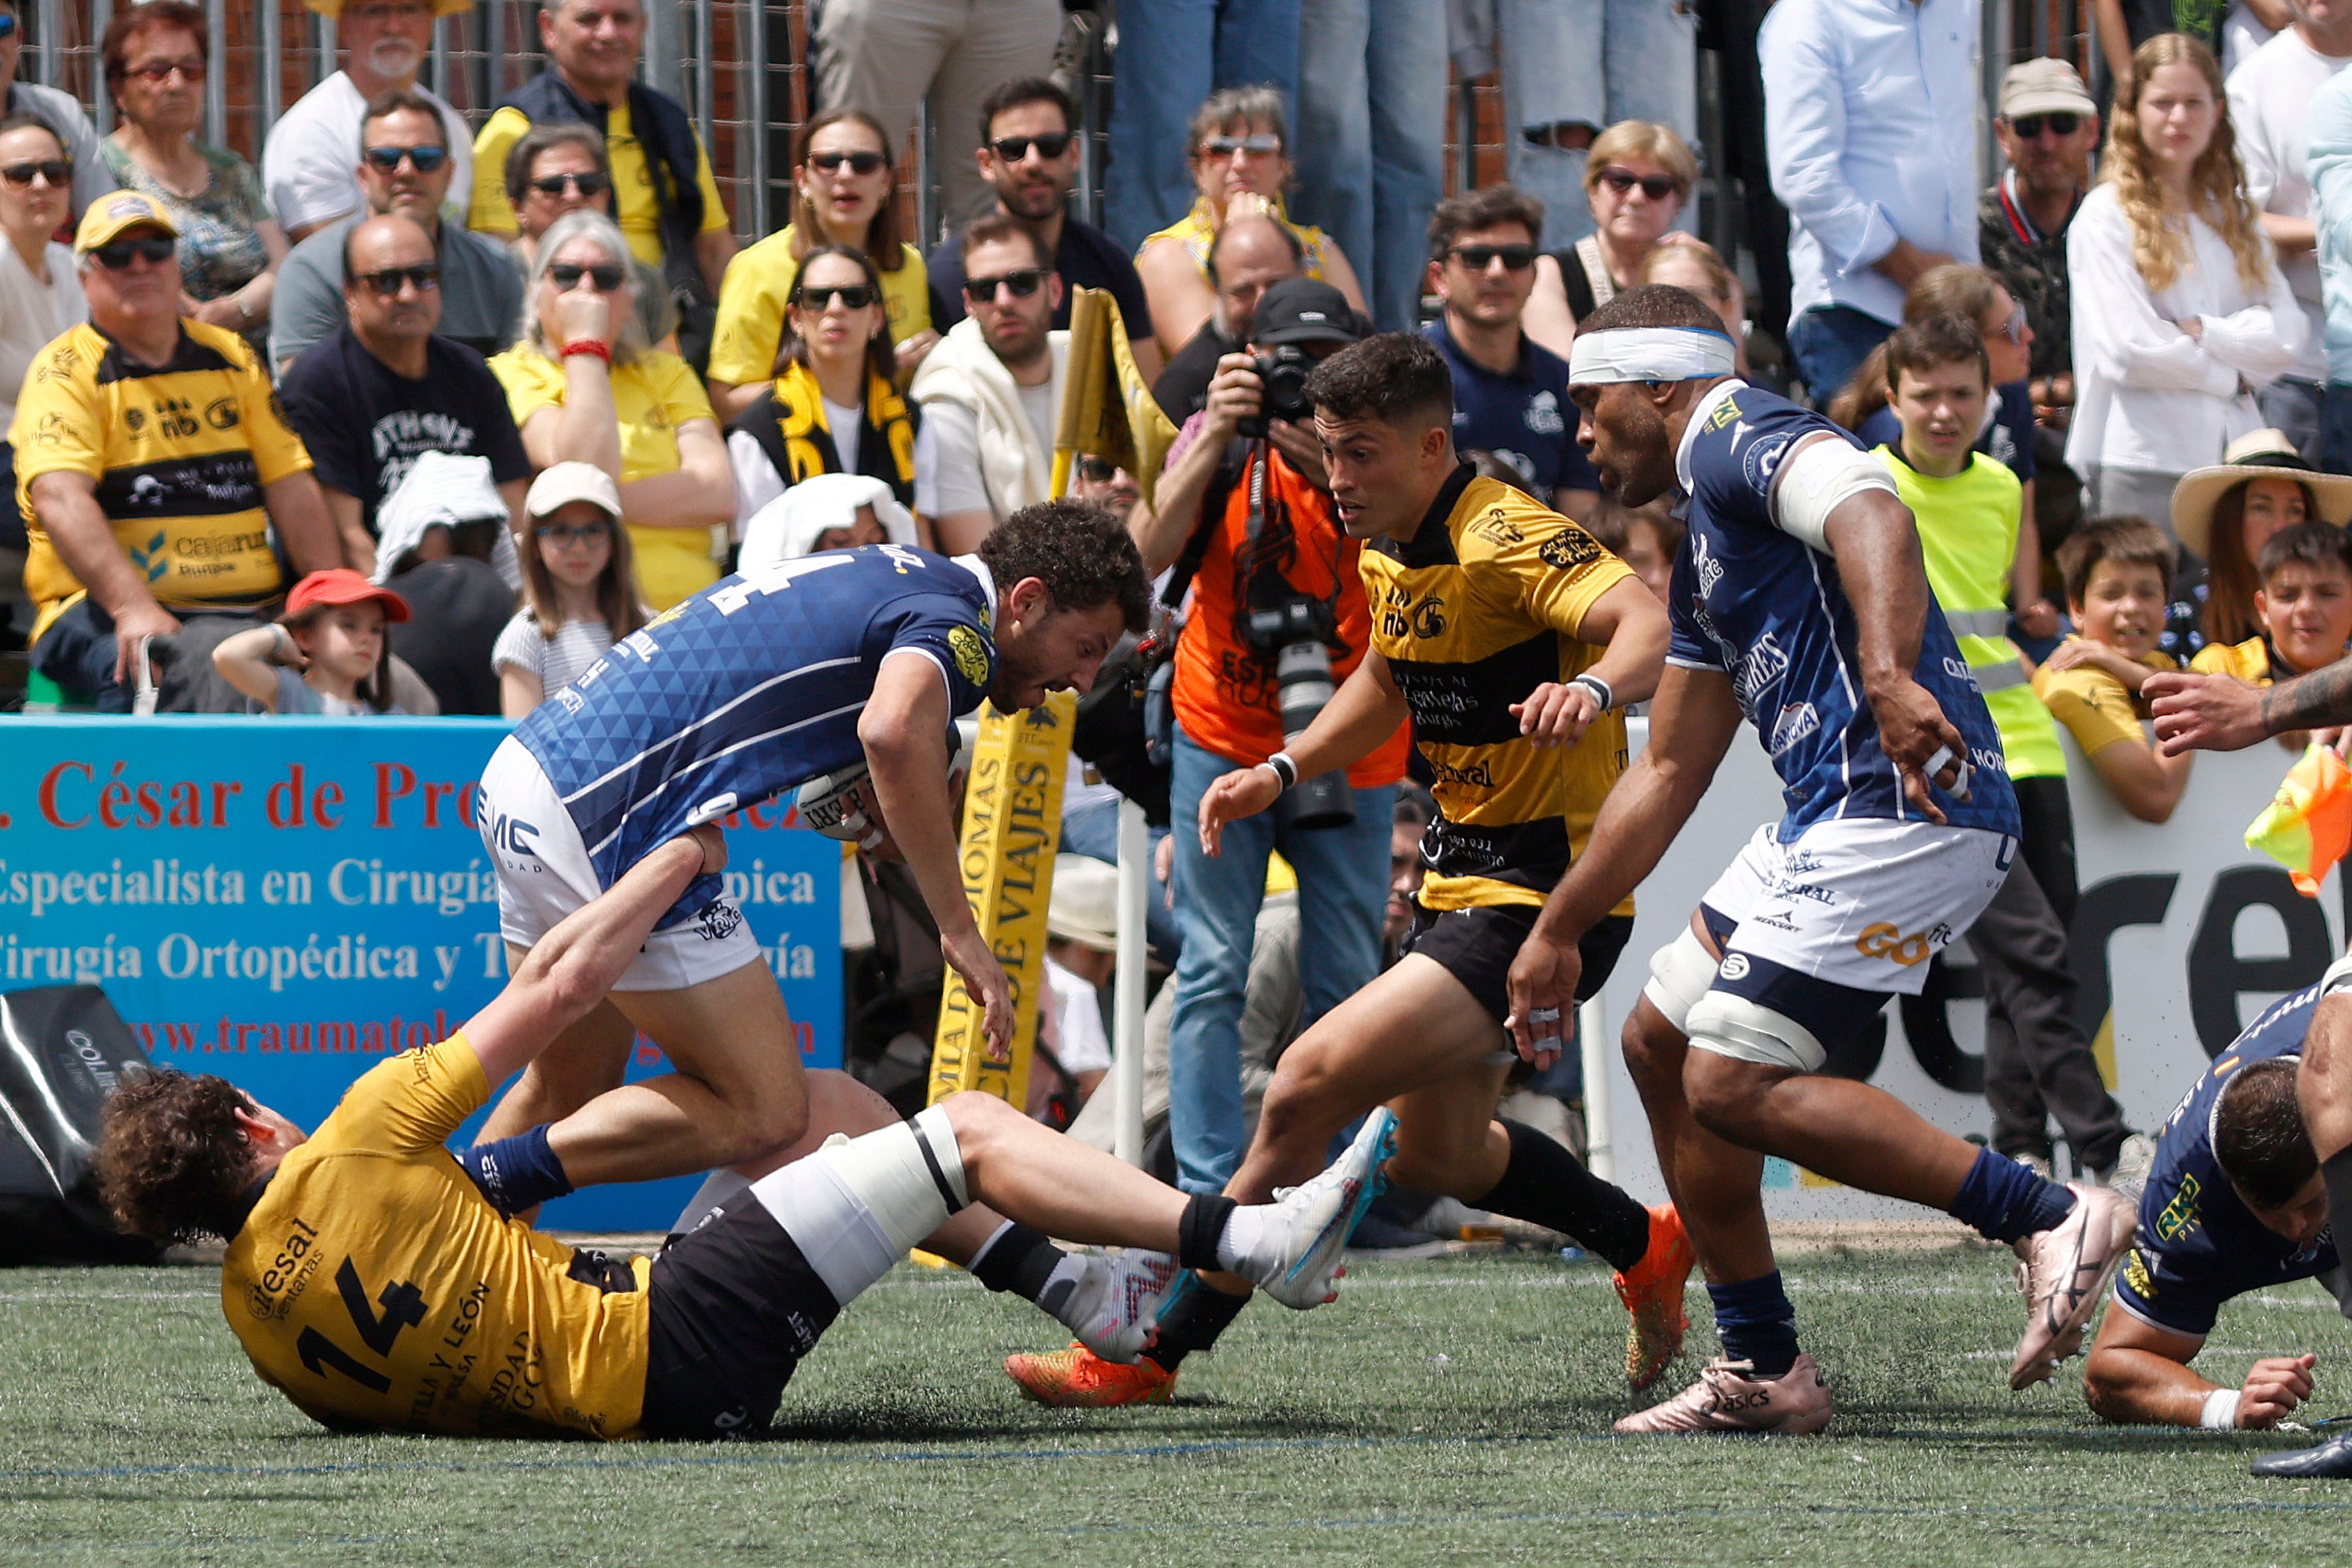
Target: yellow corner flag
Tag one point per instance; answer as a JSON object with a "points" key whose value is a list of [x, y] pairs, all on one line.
{"points": [[1108, 412], [2308, 825]]}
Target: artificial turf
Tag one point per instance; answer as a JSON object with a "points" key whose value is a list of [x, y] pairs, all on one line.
{"points": [[1453, 1410]]}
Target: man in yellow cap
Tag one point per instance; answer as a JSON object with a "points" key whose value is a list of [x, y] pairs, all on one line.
{"points": [[307, 164], [151, 470]]}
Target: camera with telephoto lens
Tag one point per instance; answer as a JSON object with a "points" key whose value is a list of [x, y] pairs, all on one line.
{"points": [[1295, 632], [1281, 373]]}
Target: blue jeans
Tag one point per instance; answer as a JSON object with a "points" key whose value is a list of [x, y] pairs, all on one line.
{"points": [[1370, 141], [1171, 55], [1829, 343], [1093, 830], [2335, 429], [1593, 63], [1343, 877]]}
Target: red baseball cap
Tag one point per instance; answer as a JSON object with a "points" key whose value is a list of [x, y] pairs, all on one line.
{"points": [[342, 586]]}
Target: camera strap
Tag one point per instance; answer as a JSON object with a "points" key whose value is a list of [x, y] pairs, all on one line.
{"points": [[1259, 458]]}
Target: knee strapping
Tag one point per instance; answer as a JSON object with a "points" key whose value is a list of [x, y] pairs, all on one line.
{"points": [[1736, 1027], [1680, 973], [857, 1205]]}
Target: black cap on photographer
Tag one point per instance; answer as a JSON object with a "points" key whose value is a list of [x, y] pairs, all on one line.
{"points": [[1305, 311]]}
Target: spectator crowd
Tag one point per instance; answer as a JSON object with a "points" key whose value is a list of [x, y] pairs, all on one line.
{"points": [[420, 417]]}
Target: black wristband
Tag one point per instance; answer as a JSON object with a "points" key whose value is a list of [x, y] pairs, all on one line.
{"points": [[1602, 692], [1283, 769]]}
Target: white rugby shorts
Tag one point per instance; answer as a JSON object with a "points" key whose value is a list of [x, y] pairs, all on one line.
{"points": [[545, 873]]}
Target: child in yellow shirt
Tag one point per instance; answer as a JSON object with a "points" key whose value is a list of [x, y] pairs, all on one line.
{"points": [[2305, 605], [2116, 570]]}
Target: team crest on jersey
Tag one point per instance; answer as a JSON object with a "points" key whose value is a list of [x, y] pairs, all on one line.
{"points": [[1570, 548], [1543, 414], [1762, 458], [971, 654]]}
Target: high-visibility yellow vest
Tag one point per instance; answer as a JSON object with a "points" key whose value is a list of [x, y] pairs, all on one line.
{"points": [[1968, 534]]}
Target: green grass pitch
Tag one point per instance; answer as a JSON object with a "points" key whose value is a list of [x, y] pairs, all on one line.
{"points": [[1454, 1410]]}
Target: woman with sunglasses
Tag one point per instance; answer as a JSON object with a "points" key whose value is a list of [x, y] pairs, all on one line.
{"points": [[1637, 177], [1241, 163], [156, 58], [832, 408], [847, 185], [583, 386], [40, 294]]}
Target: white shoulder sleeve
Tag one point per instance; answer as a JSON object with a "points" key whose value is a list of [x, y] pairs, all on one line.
{"points": [[1814, 482]]}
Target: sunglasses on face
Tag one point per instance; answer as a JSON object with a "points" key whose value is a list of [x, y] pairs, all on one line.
{"points": [[1097, 470], [57, 172], [1478, 258], [859, 163], [2031, 127], [606, 276], [155, 73], [1657, 188], [426, 158], [387, 281], [7, 25], [118, 255], [853, 296], [1013, 149], [589, 184], [1024, 283], [2013, 328], [563, 536], [1264, 144]]}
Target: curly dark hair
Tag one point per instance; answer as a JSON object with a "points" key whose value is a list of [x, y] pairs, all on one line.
{"points": [[172, 1165], [1396, 376], [2259, 1138], [1653, 305], [1083, 554]]}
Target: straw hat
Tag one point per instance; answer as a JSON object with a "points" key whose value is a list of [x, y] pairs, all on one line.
{"points": [[1085, 905], [2258, 455]]}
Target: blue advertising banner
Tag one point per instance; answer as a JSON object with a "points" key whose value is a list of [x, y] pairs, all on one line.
{"points": [[284, 901]]}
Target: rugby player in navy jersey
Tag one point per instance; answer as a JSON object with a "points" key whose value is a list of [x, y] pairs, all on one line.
{"points": [[809, 669], [2234, 1203], [1799, 603]]}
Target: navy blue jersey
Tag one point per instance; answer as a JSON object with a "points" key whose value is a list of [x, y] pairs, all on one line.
{"points": [[2198, 1244], [749, 688], [1768, 610], [1524, 418]]}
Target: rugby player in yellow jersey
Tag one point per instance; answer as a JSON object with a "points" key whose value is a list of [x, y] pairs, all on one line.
{"points": [[1511, 639], [371, 1282]]}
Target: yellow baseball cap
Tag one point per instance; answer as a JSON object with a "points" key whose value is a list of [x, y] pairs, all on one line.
{"points": [[110, 216]]}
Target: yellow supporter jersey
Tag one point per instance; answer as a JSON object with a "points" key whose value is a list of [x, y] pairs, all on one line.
{"points": [[751, 326], [2094, 705], [374, 1287], [179, 454], [2254, 661], [1473, 613], [654, 394], [634, 208]]}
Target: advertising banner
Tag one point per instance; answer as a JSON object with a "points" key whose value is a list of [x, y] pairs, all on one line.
{"points": [[286, 901], [2182, 936]]}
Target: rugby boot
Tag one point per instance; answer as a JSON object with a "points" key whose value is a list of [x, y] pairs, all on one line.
{"points": [[1295, 1252], [2063, 1271], [2331, 1461], [1727, 1398], [1115, 1307], [1078, 1379], [1652, 1292]]}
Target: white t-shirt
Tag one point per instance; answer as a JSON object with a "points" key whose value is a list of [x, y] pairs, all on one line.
{"points": [[2268, 97], [1077, 1013], [846, 423], [947, 451], [310, 164], [558, 660], [33, 311]]}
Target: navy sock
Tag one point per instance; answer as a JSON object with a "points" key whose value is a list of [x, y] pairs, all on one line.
{"points": [[1757, 1324], [2004, 1200], [1192, 1320], [517, 1172]]}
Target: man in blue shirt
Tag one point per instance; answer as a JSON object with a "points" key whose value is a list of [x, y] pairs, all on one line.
{"points": [[2234, 1203], [805, 669], [1510, 397], [1799, 604]]}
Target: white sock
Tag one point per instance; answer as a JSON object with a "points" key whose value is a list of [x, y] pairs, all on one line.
{"points": [[1242, 1230], [1061, 1293]]}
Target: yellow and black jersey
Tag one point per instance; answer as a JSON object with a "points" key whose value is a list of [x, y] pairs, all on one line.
{"points": [[375, 1288], [1476, 610], [180, 453]]}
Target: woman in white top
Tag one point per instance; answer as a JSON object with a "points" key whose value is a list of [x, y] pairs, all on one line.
{"points": [[40, 294], [2180, 311], [580, 587]]}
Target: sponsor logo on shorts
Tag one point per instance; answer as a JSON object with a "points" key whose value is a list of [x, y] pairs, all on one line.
{"points": [[1779, 919], [1880, 940], [1784, 888], [514, 836], [723, 919], [1734, 967], [1797, 721], [2138, 1276]]}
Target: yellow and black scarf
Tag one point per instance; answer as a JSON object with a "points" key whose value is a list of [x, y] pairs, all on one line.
{"points": [[790, 426]]}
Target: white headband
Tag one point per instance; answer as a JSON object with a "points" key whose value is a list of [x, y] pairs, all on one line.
{"points": [[1648, 353]]}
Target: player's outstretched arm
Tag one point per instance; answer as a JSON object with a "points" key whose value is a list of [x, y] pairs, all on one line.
{"points": [[572, 967], [1361, 715], [1691, 726], [1630, 625], [2139, 1374], [2219, 713], [1876, 543], [904, 730]]}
